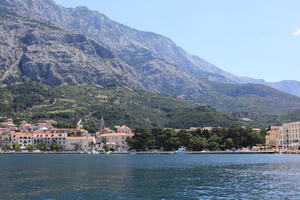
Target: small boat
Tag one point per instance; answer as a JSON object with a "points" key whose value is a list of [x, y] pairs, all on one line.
{"points": [[181, 150], [94, 152]]}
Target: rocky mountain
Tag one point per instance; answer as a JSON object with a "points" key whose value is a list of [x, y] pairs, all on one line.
{"points": [[288, 86], [132, 45], [38, 50], [35, 48], [291, 87], [43, 41]]}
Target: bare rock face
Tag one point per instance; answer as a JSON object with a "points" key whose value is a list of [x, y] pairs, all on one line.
{"points": [[42, 51], [125, 41], [42, 41], [52, 54]]}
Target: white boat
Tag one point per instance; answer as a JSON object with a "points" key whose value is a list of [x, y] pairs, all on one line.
{"points": [[181, 150]]}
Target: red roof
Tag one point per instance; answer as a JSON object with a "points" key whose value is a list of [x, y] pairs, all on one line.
{"points": [[20, 133], [116, 134]]}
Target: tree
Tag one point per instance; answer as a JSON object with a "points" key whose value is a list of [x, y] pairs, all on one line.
{"points": [[172, 143], [184, 137], [5, 147], [142, 140], [16, 147], [29, 147], [77, 147], [112, 149], [73, 134], [42, 146], [56, 147], [213, 146], [197, 143], [92, 145], [105, 147], [229, 143]]}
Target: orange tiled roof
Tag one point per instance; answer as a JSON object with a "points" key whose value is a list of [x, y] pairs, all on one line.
{"points": [[111, 143], [124, 126], [81, 138], [116, 134], [20, 133], [47, 135], [66, 129]]}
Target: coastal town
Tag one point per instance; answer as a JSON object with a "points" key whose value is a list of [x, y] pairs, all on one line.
{"points": [[43, 136]]}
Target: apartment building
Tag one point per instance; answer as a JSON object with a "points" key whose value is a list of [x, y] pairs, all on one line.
{"points": [[286, 136], [21, 138], [116, 141], [50, 138]]}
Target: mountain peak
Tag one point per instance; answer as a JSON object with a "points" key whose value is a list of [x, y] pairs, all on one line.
{"points": [[79, 46]]}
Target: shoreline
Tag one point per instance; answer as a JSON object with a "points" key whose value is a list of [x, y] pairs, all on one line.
{"points": [[161, 153]]}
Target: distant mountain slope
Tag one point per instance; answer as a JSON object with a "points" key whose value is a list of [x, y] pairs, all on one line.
{"points": [[288, 86], [291, 87], [107, 53], [118, 105]]}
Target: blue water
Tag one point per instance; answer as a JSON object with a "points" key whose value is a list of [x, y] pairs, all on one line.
{"points": [[149, 177]]}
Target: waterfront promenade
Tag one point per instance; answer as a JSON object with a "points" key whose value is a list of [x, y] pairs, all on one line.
{"points": [[159, 152]]}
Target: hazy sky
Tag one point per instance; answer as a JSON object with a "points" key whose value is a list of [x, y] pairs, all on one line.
{"points": [[257, 38]]}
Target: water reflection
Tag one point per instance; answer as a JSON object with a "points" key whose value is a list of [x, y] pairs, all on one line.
{"points": [[150, 177]]}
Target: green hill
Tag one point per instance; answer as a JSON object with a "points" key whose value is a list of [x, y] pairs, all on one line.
{"points": [[67, 104]]}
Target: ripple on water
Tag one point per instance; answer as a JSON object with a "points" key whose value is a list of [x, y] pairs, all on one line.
{"points": [[149, 177]]}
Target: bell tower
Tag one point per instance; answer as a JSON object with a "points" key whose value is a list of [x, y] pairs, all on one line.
{"points": [[102, 126]]}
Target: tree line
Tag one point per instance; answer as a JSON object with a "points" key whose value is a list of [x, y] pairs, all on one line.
{"points": [[40, 146], [198, 140]]}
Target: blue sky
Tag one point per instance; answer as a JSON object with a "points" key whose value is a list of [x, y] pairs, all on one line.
{"points": [[256, 38]]}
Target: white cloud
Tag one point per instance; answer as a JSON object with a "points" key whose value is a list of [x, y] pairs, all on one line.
{"points": [[297, 33]]}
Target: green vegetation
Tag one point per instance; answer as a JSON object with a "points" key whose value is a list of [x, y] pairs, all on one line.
{"points": [[16, 147], [30, 147], [56, 147], [217, 139], [42, 146], [32, 101], [77, 147], [5, 147], [291, 117]]}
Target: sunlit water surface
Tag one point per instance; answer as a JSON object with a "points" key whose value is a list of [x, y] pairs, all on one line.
{"points": [[149, 177]]}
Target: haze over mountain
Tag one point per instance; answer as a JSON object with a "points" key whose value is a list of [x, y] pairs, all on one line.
{"points": [[43, 41]]}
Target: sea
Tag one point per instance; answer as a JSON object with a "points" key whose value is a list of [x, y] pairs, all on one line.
{"points": [[149, 177]]}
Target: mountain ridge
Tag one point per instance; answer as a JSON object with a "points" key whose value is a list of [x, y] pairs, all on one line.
{"points": [[168, 50], [206, 66], [69, 51]]}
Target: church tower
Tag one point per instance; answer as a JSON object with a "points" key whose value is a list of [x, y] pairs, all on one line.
{"points": [[102, 126]]}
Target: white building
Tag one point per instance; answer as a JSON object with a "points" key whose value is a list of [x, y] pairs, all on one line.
{"points": [[286, 136], [290, 135], [21, 138], [117, 141], [50, 138], [85, 143]]}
